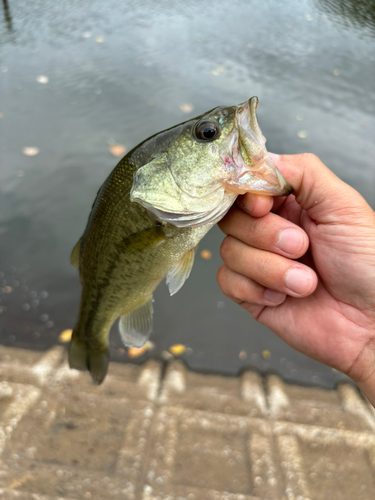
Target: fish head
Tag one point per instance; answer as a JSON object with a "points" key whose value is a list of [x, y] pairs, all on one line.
{"points": [[208, 163]]}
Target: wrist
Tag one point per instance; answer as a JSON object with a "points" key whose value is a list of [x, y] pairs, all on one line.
{"points": [[362, 372]]}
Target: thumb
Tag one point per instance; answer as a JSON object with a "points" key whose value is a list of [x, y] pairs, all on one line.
{"points": [[325, 197]]}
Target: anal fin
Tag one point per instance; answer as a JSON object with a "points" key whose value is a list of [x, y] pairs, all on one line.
{"points": [[177, 276], [135, 327]]}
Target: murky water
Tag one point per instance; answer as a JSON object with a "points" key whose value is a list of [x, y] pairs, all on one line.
{"points": [[78, 77]]}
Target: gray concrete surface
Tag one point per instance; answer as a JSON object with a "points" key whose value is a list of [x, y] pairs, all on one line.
{"points": [[154, 434]]}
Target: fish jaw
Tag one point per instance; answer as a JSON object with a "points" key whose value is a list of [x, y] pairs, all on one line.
{"points": [[249, 167]]}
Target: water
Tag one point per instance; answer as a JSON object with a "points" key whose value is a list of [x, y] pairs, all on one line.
{"points": [[76, 78]]}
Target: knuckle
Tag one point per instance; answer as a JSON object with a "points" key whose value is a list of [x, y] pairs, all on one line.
{"points": [[253, 227], [310, 158], [266, 264], [243, 290], [220, 276], [222, 279], [226, 248]]}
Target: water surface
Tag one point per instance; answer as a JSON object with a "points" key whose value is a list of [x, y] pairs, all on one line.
{"points": [[117, 72]]}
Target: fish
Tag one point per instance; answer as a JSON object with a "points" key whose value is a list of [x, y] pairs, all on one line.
{"points": [[149, 216]]}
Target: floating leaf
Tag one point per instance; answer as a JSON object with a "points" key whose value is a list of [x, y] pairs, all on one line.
{"points": [[336, 72], [86, 34], [30, 151], [302, 134], [177, 349], [186, 108], [217, 71], [242, 355], [65, 336], [206, 254], [266, 354], [299, 117], [99, 39], [136, 352], [42, 79], [1, 115], [117, 149]]}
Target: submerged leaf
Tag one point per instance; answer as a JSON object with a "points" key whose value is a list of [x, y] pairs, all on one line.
{"points": [[177, 349], [42, 79], [30, 151], [117, 149], [136, 352], [206, 254], [65, 336], [186, 108]]}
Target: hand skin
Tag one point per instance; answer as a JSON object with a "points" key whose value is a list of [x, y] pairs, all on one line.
{"points": [[304, 266]]}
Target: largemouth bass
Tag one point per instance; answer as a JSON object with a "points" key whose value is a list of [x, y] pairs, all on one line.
{"points": [[150, 214]]}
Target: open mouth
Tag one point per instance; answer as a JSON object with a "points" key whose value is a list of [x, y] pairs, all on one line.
{"points": [[254, 170]]}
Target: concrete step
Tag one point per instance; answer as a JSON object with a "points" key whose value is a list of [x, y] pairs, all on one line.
{"points": [[165, 433]]}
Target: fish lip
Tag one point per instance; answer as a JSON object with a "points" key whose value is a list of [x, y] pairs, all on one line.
{"points": [[261, 175]]}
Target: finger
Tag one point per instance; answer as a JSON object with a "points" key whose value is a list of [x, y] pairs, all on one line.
{"points": [[255, 205], [271, 233], [291, 210], [268, 269], [278, 202], [317, 189], [241, 289]]}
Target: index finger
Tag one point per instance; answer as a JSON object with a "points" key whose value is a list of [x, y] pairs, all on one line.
{"points": [[256, 205]]}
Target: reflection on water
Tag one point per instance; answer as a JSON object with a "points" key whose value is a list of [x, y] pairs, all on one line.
{"points": [[7, 15], [359, 13], [81, 80]]}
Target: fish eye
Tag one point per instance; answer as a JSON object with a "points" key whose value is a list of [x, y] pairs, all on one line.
{"points": [[207, 131]]}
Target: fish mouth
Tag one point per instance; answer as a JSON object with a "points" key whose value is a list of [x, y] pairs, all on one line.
{"points": [[253, 171]]}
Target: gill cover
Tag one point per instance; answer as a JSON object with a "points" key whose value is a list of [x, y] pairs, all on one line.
{"points": [[156, 189]]}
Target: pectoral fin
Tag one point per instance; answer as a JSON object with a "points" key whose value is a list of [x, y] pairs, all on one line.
{"points": [[136, 326], [74, 256], [143, 240], [177, 276]]}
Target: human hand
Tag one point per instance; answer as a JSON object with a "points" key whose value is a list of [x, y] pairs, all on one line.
{"points": [[304, 266]]}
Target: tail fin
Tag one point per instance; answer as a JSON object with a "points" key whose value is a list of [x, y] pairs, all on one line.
{"points": [[82, 358]]}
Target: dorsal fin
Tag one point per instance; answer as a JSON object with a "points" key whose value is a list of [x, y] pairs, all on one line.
{"points": [[177, 276]]}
